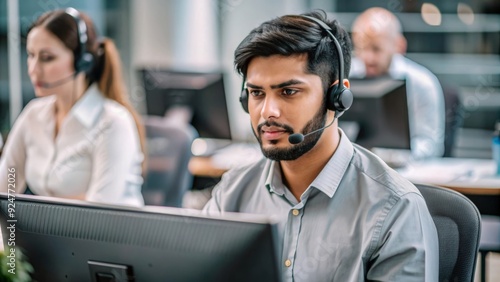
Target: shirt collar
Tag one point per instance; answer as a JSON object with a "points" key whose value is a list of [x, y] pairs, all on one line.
{"points": [[331, 175], [274, 182], [88, 108], [328, 179]]}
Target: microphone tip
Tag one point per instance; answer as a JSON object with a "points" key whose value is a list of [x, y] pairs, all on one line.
{"points": [[295, 138]]}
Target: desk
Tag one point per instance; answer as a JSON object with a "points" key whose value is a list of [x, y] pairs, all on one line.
{"points": [[204, 167], [207, 170], [472, 177], [234, 155], [475, 178], [468, 176], [465, 175]]}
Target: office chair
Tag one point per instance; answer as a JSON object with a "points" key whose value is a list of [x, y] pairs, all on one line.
{"points": [[458, 224], [490, 240], [169, 151]]}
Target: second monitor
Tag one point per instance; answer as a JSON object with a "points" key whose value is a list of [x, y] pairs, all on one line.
{"points": [[379, 114], [202, 95]]}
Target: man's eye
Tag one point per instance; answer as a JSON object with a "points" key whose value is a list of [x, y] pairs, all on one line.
{"points": [[256, 92], [289, 92]]}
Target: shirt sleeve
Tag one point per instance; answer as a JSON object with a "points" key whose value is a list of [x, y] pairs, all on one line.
{"points": [[116, 169], [13, 159], [407, 248]]}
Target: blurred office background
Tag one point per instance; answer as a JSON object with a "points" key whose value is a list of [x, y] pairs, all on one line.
{"points": [[458, 40]]}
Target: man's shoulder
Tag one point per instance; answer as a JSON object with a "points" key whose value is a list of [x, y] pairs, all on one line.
{"points": [[378, 175], [417, 71]]}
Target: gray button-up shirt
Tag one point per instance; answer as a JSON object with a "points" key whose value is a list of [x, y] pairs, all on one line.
{"points": [[359, 220]]}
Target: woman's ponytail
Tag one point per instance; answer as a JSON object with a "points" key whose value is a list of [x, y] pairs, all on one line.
{"points": [[112, 86]]}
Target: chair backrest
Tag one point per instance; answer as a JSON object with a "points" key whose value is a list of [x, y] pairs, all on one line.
{"points": [[458, 224], [169, 151]]}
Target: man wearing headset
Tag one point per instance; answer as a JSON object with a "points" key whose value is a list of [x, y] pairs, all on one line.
{"points": [[343, 214]]}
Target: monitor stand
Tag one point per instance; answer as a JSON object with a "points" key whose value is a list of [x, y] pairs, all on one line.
{"points": [[106, 272]]}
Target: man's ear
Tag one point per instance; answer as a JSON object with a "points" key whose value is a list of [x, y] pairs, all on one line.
{"points": [[401, 45], [347, 83]]}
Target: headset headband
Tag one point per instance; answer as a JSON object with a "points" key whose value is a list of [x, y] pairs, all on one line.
{"points": [[328, 30], [83, 60]]}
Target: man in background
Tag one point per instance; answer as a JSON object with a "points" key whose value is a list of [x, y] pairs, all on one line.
{"points": [[379, 46]]}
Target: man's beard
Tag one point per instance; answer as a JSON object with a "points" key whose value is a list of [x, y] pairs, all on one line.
{"points": [[296, 151]]}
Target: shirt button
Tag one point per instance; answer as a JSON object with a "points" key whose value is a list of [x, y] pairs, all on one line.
{"points": [[295, 212], [288, 263]]}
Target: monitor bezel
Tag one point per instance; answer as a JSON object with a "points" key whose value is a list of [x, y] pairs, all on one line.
{"points": [[265, 224]]}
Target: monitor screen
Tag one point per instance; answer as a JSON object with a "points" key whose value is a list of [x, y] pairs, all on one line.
{"points": [[69, 240], [202, 94], [380, 113]]}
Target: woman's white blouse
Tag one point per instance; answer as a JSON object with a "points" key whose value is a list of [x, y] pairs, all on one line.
{"points": [[96, 152]]}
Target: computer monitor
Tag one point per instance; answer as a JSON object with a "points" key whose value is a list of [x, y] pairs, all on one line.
{"points": [[380, 111], [69, 240], [202, 94]]}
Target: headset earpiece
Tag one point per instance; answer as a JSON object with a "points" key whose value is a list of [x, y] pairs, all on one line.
{"points": [[339, 98], [244, 99], [244, 96], [84, 60], [84, 63]]}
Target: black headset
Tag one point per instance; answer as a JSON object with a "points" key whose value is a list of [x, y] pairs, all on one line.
{"points": [[339, 98], [83, 59]]}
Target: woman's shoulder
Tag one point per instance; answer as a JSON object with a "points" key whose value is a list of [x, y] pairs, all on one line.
{"points": [[113, 107], [117, 117], [116, 111], [39, 102], [37, 106]]}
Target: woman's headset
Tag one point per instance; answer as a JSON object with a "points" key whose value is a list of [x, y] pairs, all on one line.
{"points": [[83, 59]]}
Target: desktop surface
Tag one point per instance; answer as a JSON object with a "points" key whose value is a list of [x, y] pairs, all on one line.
{"points": [[67, 240], [475, 178], [465, 175]]}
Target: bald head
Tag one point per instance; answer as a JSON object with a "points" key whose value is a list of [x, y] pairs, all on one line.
{"points": [[377, 36], [378, 21]]}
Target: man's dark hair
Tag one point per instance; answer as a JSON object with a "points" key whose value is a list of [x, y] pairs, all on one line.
{"points": [[292, 35]]}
